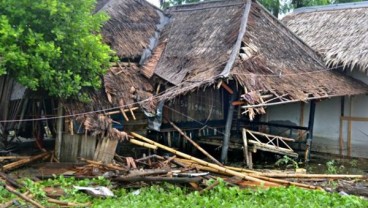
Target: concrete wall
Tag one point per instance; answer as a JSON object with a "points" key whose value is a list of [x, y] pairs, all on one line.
{"points": [[327, 122]]}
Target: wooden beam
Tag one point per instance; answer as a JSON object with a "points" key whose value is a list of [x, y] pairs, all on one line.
{"points": [[350, 125], [21, 162], [229, 121], [246, 155], [301, 120], [118, 111], [238, 102], [358, 119], [194, 143], [341, 139], [227, 88]]}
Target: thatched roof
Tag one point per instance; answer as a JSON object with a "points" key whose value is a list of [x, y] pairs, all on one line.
{"points": [[338, 32], [132, 26], [209, 41], [123, 86]]}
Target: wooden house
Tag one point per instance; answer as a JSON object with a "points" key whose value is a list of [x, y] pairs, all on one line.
{"points": [[338, 33], [220, 65]]}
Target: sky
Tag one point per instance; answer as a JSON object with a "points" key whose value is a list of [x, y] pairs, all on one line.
{"points": [[155, 2]]}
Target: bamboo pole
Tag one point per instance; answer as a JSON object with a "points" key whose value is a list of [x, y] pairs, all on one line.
{"points": [[21, 162], [326, 176], [68, 204], [143, 144], [2, 158], [257, 175], [194, 143], [202, 162], [229, 167], [23, 196]]}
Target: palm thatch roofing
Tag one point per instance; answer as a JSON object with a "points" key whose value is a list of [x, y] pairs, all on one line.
{"points": [[338, 32], [132, 26], [239, 39], [124, 88]]}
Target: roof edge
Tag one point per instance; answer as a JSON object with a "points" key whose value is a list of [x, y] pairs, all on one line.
{"points": [[331, 7], [237, 45]]}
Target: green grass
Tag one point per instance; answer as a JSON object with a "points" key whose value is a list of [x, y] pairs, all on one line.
{"points": [[173, 196]]}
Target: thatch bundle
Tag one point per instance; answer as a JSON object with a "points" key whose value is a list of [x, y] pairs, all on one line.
{"points": [[338, 32]]}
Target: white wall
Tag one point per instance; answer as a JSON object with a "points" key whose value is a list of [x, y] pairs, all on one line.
{"points": [[327, 123]]}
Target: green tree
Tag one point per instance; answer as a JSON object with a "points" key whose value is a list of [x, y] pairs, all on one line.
{"points": [[53, 44]]}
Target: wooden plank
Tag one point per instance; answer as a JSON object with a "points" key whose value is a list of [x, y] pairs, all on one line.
{"points": [[358, 119], [69, 148], [106, 151], [87, 147]]}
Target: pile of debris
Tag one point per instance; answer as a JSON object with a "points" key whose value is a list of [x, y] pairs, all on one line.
{"points": [[179, 168]]}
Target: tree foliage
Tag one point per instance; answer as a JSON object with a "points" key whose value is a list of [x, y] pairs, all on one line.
{"points": [[53, 44]]}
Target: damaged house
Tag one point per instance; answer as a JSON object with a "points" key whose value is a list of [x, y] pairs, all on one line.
{"points": [[221, 65], [338, 33], [220, 71]]}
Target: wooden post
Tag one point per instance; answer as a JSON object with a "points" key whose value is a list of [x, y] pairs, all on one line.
{"points": [[312, 112], [350, 125], [229, 121], [59, 129], [246, 155], [301, 121], [341, 140]]}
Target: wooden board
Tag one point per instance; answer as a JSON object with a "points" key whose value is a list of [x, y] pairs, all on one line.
{"points": [[69, 148], [105, 150], [87, 147]]}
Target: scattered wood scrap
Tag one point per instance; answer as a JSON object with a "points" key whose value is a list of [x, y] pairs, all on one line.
{"points": [[23, 161]]}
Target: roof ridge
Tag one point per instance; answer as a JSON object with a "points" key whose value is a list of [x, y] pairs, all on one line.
{"points": [[332, 7], [186, 7]]}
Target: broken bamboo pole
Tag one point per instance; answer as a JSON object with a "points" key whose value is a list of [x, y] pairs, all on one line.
{"points": [[256, 175], [2, 158], [159, 179], [194, 143], [317, 176], [21, 162], [229, 167], [143, 144], [22, 196], [202, 162]]}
